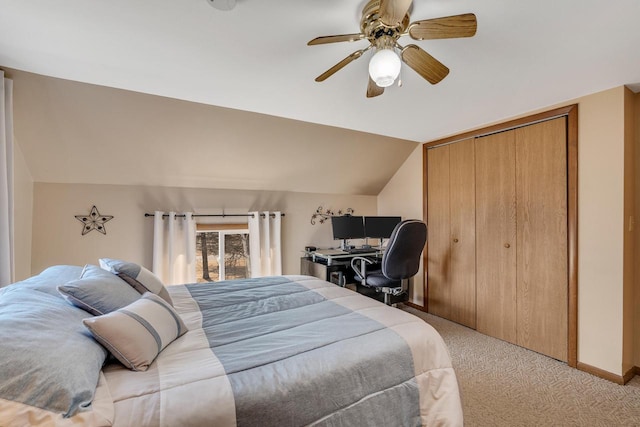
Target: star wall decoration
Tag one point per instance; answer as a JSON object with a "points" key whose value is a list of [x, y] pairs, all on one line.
{"points": [[94, 221]]}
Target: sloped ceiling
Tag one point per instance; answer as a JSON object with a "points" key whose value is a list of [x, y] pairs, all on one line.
{"points": [[525, 56], [72, 132]]}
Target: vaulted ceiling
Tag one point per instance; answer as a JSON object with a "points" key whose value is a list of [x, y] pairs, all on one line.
{"points": [[73, 132], [525, 55]]}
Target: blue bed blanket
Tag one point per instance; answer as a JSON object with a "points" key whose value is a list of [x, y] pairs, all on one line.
{"points": [[290, 351]]}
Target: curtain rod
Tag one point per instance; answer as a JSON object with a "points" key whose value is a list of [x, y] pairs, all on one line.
{"points": [[211, 215]]}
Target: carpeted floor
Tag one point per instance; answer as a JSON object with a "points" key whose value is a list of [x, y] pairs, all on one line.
{"points": [[505, 385]]}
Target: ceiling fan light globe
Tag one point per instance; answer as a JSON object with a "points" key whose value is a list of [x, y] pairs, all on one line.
{"points": [[384, 67]]}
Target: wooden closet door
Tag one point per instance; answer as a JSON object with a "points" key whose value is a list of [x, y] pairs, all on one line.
{"points": [[496, 235], [463, 233], [542, 278], [438, 222]]}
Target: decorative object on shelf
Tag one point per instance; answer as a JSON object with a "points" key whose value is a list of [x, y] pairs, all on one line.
{"points": [[93, 221], [324, 215]]}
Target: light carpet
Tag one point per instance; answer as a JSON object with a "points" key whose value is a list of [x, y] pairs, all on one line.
{"points": [[502, 384]]}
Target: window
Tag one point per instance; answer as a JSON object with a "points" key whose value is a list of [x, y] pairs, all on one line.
{"points": [[222, 252]]}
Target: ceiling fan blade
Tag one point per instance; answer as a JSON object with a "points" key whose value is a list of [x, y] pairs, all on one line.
{"points": [[424, 64], [392, 12], [331, 71], [336, 39], [373, 89], [449, 27]]}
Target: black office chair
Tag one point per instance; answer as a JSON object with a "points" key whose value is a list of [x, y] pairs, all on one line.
{"points": [[400, 261]]}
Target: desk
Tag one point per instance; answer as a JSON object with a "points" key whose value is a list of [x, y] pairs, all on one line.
{"points": [[333, 265], [331, 256]]}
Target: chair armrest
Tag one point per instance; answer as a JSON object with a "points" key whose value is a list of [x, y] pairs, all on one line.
{"points": [[363, 264]]}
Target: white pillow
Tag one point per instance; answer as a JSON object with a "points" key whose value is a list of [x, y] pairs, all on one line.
{"points": [[137, 333]]}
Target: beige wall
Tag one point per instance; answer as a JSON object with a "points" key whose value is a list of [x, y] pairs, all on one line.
{"points": [[600, 224], [57, 238], [403, 196], [601, 229], [23, 210]]}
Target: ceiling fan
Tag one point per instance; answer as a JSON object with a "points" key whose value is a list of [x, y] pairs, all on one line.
{"points": [[383, 23]]}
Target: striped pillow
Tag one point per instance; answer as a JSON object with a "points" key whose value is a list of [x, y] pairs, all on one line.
{"points": [[138, 277], [137, 333]]}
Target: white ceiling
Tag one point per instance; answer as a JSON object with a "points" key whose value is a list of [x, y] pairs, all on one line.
{"points": [[525, 55]]}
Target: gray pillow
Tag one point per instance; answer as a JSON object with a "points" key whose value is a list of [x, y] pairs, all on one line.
{"points": [[137, 333], [50, 278], [141, 279], [98, 291], [48, 360]]}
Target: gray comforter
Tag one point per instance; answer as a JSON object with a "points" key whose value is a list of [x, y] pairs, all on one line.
{"points": [[290, 351]]}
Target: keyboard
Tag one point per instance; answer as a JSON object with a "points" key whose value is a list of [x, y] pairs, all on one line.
{"points": [[361, 251], [329, 252]]}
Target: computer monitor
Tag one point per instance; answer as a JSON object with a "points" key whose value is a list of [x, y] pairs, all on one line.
{"points": [[347, 227], [380, 227]]}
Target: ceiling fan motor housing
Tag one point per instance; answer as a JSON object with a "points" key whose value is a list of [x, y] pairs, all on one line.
{"points": [[380, 35]]}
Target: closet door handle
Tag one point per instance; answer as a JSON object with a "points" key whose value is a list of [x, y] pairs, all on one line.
{"points": [[455, 240], [506, 245]]}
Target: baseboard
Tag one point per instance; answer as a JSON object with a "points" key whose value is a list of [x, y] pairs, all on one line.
{"points": [[416, 306], [632, 372], [601, 373]]}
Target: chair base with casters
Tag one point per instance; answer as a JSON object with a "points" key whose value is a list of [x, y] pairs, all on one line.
{"points": [[400, 262]]}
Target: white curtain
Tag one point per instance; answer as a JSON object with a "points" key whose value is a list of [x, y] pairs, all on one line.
{"points": [[265, 251], [6, 181], [174, 247]]}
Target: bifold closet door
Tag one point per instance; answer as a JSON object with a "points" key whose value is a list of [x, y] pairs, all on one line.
{"points": [[439, 232], [542, 270], [463, 232], [451, 222], [496, 235]]}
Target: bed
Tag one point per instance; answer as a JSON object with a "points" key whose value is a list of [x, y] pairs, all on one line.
{"points": [[273, 351]]}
